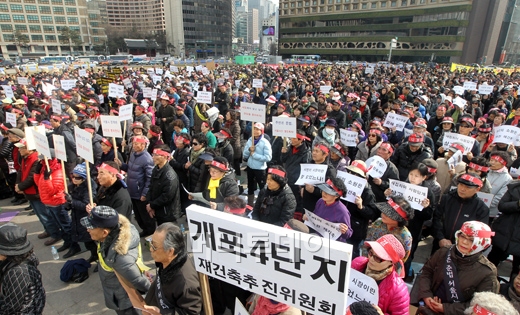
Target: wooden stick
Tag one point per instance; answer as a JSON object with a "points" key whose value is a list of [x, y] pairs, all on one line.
{"points": [[206, 294], [64, 176], [124, 135], [115, 147], [47, 163], [89, 184]]}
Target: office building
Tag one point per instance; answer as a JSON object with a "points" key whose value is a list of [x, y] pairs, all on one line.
{"points": [[143, 16]]}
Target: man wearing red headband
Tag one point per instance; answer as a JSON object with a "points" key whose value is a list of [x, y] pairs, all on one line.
{"points": [[410, 153], [498, 177], [379, 185], [70, 142], [142, 117]]}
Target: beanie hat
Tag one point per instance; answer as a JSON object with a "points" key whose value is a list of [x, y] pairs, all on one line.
{"points": [[80, 170]]}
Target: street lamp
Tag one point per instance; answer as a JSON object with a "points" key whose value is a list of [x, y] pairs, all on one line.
{"points": [[393, 44]]}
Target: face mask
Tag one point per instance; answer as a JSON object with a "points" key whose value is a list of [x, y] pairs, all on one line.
{"points": [[362, 103], [220, 140], [63, 107], [323, 120], [329, 131]]}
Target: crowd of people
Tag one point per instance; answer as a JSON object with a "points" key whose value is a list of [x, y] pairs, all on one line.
{"points": [[175, 147]]}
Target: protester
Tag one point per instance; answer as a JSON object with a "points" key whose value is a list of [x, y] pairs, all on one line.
{"points": [[511, 291], [112, 190], [221, 183], [257, 152]]}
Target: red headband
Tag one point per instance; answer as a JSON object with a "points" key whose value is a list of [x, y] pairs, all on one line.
{"points": [[376, 131], [58, 118], [301, 137], [108, 168], [339, 148], [468, 120], [431, 170], [114, 111], [499, 159], [157, 134], [205, 123], [477, 167], [476, 233], [276, 172], [105, 141], [161, 152], [458, 147], [472, 179], [322, 147], [336, 189], [357, 125], [226, 134], [140, 140], [389, 249], [397, 209], [237, 211], [359, 165], [415, 138], [219, 165], [479, 310], [4, 127], [388, 147], [91, 130], [485, 130]]}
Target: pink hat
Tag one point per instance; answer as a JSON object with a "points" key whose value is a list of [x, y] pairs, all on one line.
{"points": [[259, 126], [388, 248]]}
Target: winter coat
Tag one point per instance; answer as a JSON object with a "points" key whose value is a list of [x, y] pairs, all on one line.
{"points": [[262, 154], [164, 195], [443, 176], [25, 177], [393, 292], [52, 190], [507, 233], [340, 164], [197, 121], [167, 112], [226, 150], [96, 148], [139, 172], [120, 251], [279, 206], [80, 200], [339, 116], [453, 211], [180, 157], [475, 273], [360, 218], [510, 296], [145, 120], [498, 182], [198, 172], [363, 152], [227, 187], [379, 190], [234, 128], [116, 197], [293, 160], [309, 200], [276, 148], [404, 159]]}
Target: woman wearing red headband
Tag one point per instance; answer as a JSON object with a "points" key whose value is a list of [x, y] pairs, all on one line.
{"points": [[155, 137], [498, 178], [368, 148], [180, 157], [220, 184]]}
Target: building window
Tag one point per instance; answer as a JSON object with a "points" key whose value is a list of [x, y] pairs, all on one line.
{"points": [[58, 10], [8, 37], [96, 40], [306, 10], [16, 8], [383, 4], [286, 5], [346, 7], [94, 24], [293, 4], [30, 1], [45, 9], [50, 38], [393, 4], [364, 6], [48, 28], [314, 10], [70, 2], [355, 6], [300, 4], [35, 28], [322, 9], [373, 5], [412, 2], [93, 16], [31, 9], [307, 3], [5, 18], [57, 1], [59, 19], [43, 1], [6, 27], [299, 11], [33, 19], [338, 7], [18, 18], [37, 38], [4, 8], [74, 28], [22, 28], [73, 20]]}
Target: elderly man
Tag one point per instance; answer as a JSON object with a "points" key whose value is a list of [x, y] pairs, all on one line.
{"points": [[379, 185], [119, 252]]}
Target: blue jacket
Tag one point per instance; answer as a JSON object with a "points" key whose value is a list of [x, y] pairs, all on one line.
{"points": [[139, 170], [263, 154]]}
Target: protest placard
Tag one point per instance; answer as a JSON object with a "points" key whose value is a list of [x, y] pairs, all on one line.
{"points": [[150, 71], [59, 147], [32, 68], [394, 120], [8, 90], [239, 308], [159, 71], [257, 83], [101, 98], [56, 106], [369, 70], [311, 174], [29, 137], [174, 69], [154, 95], [348, 137], [414, 194], [23, 81], [325, 89], [355, 185], [505, 134], [451, 137], [67, 84], [147, 92], [362, 288], [325, 228], [198, 68], [111, 126], [219, 81], [205, 97], [514, 172], [284, 126], [252, 112], [454, 160], [42, 144], [127, 83], [82, 72], [116, 90], [260, 257], [226, 75], [485, 89], [125, 112], [10, 118], [487, 198], [460, 102], [376, 166], [459, 90], [156, 79], [84, 144], [468, 85], [189, 68], [237, 82]]}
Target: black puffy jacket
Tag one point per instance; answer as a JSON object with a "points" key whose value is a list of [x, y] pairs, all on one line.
{"points": [[80, 200], [294, 160], [227, 187], [275, 207], [507, 236], [404, 159], [359, 218], [163, 194], [379, 190]]}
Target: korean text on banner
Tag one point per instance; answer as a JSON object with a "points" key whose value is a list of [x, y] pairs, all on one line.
{"points": [[459, 90], [369, 70], [174, 69], [325, 89], [8, 91], [487, 198], [506, 134], [455, 159], [127, 83], [68, 84], [125, 112], [394, 120], [84, 144], [284, 126], [257, 83], [23, 81], [485, 89], [42, 144], [355, 185], [308, 272], [415, 194], [147, 92], [56, 106], [59, 147], [468, 85], [362, 288], [154, 95], [252, 112], [204, 97], [29, 137], [348, 137], [111, 126], [312, 174], [451, 137], [116, 90], [325, 228], [82, 72], [10, 118], [376, 166]]}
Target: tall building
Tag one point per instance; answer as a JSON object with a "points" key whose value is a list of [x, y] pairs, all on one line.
{"points": [[39, 24], [145, 16], [508, 48], [463, 31], [253, 29], [267, 38]]}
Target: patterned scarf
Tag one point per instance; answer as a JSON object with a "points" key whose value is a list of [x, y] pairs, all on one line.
{"points": [[264, 306]]}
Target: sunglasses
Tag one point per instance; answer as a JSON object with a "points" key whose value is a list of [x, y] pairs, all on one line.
{"points": [[372, 255], [194, 143], [372, 135], [77, 177]]}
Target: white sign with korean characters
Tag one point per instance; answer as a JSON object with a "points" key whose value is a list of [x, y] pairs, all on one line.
{"points": [[116, 90], [111, 126], [487, 198], [125, 112], [308, 272], [312, 174], [459, 90], [395, 121], [8, 90], [252, 112], [485, 89], [348, 137], [56, 106], [376, 166], [468, 85], [451, 137], [362, 288], [59, 147], [257, 83], [284, 126], [42, 144], [355, 185], [23, 81], [84, 144], [204, 97], [506, 134], [67, 84], [325, 228], [415, 194]]}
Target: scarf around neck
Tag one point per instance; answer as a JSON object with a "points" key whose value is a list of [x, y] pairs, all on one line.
{"points": [[264, 306], [194, 155]]}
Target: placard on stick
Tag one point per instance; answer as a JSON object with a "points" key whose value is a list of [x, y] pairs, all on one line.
{"points": [[204, 97], [284, 126], [252, 112], [29, 137], [59, 147], [56, 106], [84, 144], [11, 118], [42, 144], [125, 112], [111, 126]]}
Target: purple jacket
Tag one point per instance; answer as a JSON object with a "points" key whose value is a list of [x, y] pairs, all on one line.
{"points": [[335, 213], [393, 292]]}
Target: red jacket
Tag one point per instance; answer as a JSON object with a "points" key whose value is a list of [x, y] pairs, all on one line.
{"points": [[393, 292], [52, 190], [25, 183]]}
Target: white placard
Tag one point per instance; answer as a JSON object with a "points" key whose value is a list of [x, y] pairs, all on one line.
{"points": [[198, 68], [252, 112], [284, 126], [460, 102], [10, 118], [147, 92], [468, 85], [514, 172], [376, 166], [459, 90], [150, 71], [8, 91], [204, 97], [159, 71], [226, 75], [67, 84], [325, 228], [394, 120], [116, 90], [82, 72], [348, 137], [59, 147], [156, 79], [29, 135], [189, 68], [127, 83], [111, 126], [56, 106], [451, 137], [505, 134], [355, 185], [325, 89], [369, 70], [23, 81], [174, 69], [219, 81], [32, 68], [455, 159], [485, 89], [362, 288], [84, 144], [101, 98], [487, 198], [239, 308], [414, 194], [312, 174], [154, 95], [42, 144], [257, 83], [259, 257], [237, 82], [125, 112]]}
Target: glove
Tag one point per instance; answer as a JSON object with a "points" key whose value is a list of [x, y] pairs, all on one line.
{"points": [[39, 168], [68, 197], [46, 174], [68, 206]]}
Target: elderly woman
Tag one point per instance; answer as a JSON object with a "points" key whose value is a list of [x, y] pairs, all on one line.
{"points": [[339, 157], [221, 183], [489, 303], [384, 255], [368, 148], [452, 276], [511, 291], [21, 287]]}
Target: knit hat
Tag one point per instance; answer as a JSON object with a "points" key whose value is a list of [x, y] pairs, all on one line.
{"points": [[394, 211], [480, 232], [13, 240], [80, 170]]}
